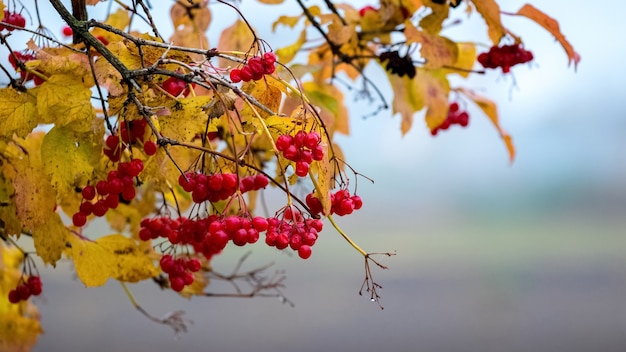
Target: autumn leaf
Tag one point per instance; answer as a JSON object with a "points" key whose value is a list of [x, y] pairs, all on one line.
{"points": [[18, 113], [490, 109], [289, 21], [188, 117], [490, 11], [50, 239], [437, 50], [238, 37], [333, 111], [69, 157], [287, 53], [552, 26], [64, 101], [113, 256], [433, 22], [34, 196], [465, 60]]}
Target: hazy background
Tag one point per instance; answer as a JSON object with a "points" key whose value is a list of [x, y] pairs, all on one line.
{"points": [[490, 256]]}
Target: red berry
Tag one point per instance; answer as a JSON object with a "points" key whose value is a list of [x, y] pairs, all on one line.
{"points": [[298, 139], [235, 75], [304, 251], [246, 74], [128, 193], [145, 234], [103, 187], [283, 142], [174, 86], [256, 65], [177, 283], [112, 200], [100, 208], [13, 296], [302, 168], [34, 284], [312, 139], [79, 219], [23, 292], [150, 148], [194, 265], [67, 31], [269, 58], [88, 192], [86, 208], [260, 181], [357, 201]]}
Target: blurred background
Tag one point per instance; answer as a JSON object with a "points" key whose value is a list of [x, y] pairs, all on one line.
{"points": [[491, 256]]}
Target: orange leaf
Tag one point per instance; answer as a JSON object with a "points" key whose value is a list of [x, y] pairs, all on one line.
{"points": [[490, 11], [552, 26], [237, 37], [491, 110], [437, 50]]}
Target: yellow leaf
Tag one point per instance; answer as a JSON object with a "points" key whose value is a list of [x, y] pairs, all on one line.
{"points": [[62, 100], [18, 112], [18, 333], [438, 51], [465, 59], [267, 92], [290, 21], [433, 86], [433, 22], [188, 117], [238, 37], [69, 157], [552, 26], [287, 53], [490, 109], [50, 239], [34, 196], [490, 11], [271, 2], [113, 256], [64, 61], [330, 99], [406, 99]]}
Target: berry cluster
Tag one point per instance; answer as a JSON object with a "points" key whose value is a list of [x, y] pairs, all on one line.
{"points": [[13, 18], [342, 203], [179, 270], [213, 188], [176, 87], [455, 116], [17, 60], [253, 183], [505, 56], [302, 148], [293, 231], [256, 68], [118, 186], [24, 290], [209, 235]]}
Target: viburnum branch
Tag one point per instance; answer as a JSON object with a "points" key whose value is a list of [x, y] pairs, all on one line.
{"points": [[346, 237], [174, 319]]}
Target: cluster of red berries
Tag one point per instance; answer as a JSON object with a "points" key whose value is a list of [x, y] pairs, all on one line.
{"points": [[213, 188], [17, 59], [119, 186], [133, 132], [505, 56], [253, 183], [293, 231], [302, 148], [176, 87], [13, 18], [179, 270], [455, 116], [342, 203], [209, 235], [255, 69], [24, 290]]}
